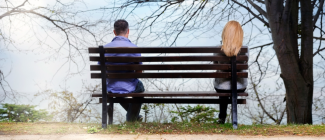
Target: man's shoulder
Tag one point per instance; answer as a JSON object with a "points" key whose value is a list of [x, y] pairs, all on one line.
{"points": [[120, 42]]}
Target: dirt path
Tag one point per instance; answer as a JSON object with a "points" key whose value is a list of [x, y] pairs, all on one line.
{"points": [[153, 137]]}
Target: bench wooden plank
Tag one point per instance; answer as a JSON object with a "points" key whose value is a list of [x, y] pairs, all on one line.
{"points": [[215, 49], [169, 94], [170, 67], [172, 75], [173, 100], [167, 58]]}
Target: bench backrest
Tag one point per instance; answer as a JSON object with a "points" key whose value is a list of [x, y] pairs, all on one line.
{"points": [[171, 68]]}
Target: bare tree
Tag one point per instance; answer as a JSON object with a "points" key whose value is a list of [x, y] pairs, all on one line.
{"points": [[60, 28], [69, 107], [7, 90]]}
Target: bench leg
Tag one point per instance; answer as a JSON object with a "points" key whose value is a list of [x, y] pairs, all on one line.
{"points": [[234, 92], [234, 113], [110, 113], [104, 114]]}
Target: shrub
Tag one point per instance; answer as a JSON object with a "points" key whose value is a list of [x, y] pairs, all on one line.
{"points": [[199, 114], [22, 113]]}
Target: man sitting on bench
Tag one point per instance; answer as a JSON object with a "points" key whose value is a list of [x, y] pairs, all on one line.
{"points": [[125, 86]]}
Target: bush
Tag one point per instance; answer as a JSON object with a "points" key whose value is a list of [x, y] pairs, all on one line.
{"points": [[199, 114], [22, 113], [92, 130]]}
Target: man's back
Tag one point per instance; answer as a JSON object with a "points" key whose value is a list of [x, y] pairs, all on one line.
{"points": [[121, 86]]}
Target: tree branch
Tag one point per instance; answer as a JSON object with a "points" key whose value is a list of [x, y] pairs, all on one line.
{"points": [[195, 13], [261, 46], [318, 51], [250, 11], [319, 38], [259, 101], [320, 8], [260, 1], [81, 111], [281, 117], [248, 21], [259, 9], [12, 10], [320, 29]]}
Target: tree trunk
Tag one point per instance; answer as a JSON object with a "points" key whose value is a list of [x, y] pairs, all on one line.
{"points": [[306, 59], [295, 72]]}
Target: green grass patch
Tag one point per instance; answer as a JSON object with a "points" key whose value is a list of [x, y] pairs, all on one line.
{"points": [[160, 128], [210, 128]]}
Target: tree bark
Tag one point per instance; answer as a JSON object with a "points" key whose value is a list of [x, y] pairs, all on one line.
{"points": [[306, 59], [296, 73]]}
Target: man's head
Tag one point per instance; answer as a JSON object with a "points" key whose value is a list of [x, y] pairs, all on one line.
{"points": [[121, 28]]}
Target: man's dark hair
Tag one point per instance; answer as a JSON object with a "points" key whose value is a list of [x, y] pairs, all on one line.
{"points": [[121, 26]]}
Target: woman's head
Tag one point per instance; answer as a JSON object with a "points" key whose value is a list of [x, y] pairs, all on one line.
{"points": [[232, 38]]}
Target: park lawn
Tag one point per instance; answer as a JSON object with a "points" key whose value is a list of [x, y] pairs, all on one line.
{"points": [[46, 128]]}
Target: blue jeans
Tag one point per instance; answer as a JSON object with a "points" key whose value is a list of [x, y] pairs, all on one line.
{"points": [[133, 109]]}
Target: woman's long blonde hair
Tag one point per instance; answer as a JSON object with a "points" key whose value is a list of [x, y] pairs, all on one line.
{"points": [[232, 38]]}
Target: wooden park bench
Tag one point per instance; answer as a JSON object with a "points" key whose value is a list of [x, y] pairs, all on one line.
{"points": [[188, 97]]}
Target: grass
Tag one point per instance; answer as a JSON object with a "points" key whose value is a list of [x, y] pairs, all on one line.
{"points": [[42, 128], [160, 128]]}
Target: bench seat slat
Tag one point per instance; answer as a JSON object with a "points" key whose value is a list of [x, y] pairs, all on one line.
{"points": [[167, 58], [172, 75], [174, 100], [169, 94], [162, 50], [170, 67]]}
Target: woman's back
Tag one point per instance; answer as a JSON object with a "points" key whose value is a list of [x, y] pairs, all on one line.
{"points": [[224, 83]]}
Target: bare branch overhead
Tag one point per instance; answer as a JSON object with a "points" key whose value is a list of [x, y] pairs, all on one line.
{"points": [[318, 51], [261, 46], [250, 11], [260, 1], [14, 9], [319, 38], [320, 8], [259, 9]]}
